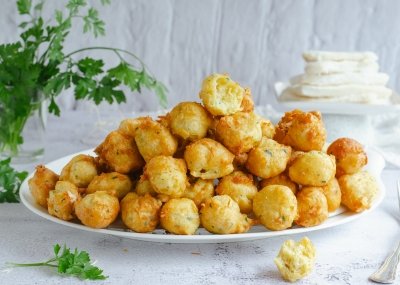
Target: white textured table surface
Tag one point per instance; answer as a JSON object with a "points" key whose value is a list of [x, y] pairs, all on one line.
{"points": [[346, 254]]}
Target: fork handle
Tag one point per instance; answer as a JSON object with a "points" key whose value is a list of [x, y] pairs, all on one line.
{"points": [[387, 272]]}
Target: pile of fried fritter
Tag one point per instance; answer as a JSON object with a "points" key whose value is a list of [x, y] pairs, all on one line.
{"points": [[217, 165]]}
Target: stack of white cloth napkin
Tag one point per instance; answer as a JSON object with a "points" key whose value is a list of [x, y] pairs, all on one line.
{"points": [[352, 77]]}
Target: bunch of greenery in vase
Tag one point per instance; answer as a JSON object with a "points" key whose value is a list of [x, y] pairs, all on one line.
{"points": [[37, 68]]}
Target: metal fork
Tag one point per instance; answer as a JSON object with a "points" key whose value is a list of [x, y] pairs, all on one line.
{"points": [[387, 272]]}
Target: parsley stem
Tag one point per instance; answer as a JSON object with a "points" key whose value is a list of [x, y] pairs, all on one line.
{"points": [[31, 264], [107, 48]]}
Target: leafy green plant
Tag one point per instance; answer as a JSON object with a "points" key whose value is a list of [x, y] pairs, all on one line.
{"points": [[10, 182], [38, 64], [76, 263]]}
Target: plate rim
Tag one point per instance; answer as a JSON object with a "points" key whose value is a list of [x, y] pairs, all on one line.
{"points": [[341, 218]]}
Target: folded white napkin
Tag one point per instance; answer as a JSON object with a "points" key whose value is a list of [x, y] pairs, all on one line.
{"points": [[329, 67], [341, 79], [314, 55]]}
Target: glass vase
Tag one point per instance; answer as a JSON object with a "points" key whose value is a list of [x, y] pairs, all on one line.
{"points": [[22, 137]]}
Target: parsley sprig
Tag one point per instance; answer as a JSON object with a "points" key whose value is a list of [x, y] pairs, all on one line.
{"points": [[74, 263], [10, 182], [37, 67]]}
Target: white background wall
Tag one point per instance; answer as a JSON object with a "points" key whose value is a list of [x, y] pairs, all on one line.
{"points": [[257, 42]]}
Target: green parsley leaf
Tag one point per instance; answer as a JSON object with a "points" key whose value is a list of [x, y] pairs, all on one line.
{"points": [[59, 17], [24, 6], [39, 6], [90, 67], [130, 77], [10, 182], [76, 263], [56, 248], [75, 5], [93, 23], [105, 2]]}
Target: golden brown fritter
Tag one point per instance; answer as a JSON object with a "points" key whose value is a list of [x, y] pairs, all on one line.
{"points": [[350, 156], [129, 126], [167, 175], [199, 190], [314, 168], [247, 102], [281, 179], [312, 207], [80, 170], [267, 128], [276, 207], [113, 183], [221, 95], [120, 153], [189, 121], [240, 187], [303, 131], [268, 159], [140, 213], [239, 132], [97, 210], [180, 216], [295, 259], [359, 190], [62, 200], [41, 183], [208, 159], [143, 186], [221, 215], [153, 139], [333, 194]]}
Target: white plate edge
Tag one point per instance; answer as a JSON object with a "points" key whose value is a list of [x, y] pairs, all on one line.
{"points": [[339, 219]]}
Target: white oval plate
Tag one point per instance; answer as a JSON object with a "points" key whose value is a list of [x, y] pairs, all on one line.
{"points": [[338, 108], [341, 216]]}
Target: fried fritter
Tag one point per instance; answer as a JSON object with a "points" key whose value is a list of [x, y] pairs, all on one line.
{"points": [[62, 200], [312, 207], [97, 210], [154, 139], [281, 179], [180, 216], [221, 215], [140, 213], [268, 159], [302, 131], [120, 153], [80, 170], [208, 159], [359, 190], [189, 120], [113, 183], [314, 168], [350, 156], [167, 175], [43, 181], [199, 191], [276, 207], [240, 187], [221, 95], [239, 132]]}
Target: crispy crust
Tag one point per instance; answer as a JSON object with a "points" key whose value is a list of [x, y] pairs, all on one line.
{"points": [[303, 131], [350, 156]]}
